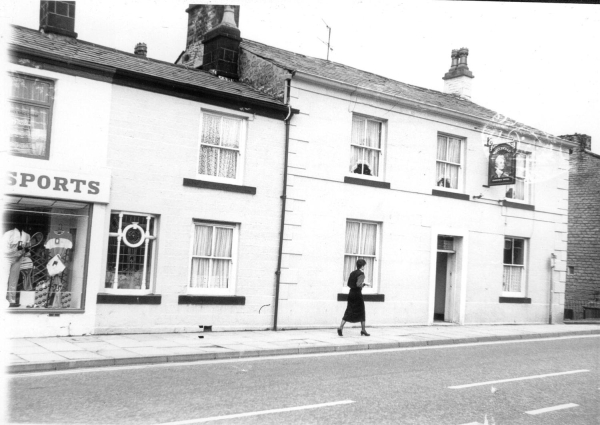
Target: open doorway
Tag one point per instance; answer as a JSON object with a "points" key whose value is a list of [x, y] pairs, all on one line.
{"points": [[445, 275]]}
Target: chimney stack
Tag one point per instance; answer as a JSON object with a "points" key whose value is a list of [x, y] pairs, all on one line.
{"points": [[584, 141], [141, 49], [458, 80], [222, 46], [58, 17]]}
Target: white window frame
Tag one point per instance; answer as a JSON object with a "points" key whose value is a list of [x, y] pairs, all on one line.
{"points": [[152, 267], [527, 186], [523, 267], [382, 133], [221, 112], [374, 286], [460, 184], [230, 290]]}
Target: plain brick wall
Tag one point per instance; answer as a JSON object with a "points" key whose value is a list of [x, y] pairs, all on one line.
{"points": [[584, 226]]}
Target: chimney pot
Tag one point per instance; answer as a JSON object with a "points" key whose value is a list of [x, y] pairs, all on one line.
{"points": [[58, 17], [141, 49], [458, 80], [222, 46], [584, 141]]}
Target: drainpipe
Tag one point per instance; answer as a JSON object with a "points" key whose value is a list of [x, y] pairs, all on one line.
{"points": [[552, 265], [283, 201]]}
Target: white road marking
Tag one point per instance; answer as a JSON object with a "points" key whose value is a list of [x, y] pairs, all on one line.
{"points": [[260, 412], [456, 387], [290, 356], [551, 409]]}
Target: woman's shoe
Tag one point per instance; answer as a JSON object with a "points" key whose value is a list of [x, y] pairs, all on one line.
{"points": [[364, 333], [340, 332]]}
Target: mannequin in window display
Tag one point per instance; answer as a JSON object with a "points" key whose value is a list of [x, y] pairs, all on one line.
{"points": [[59, 244], [14, 248]]}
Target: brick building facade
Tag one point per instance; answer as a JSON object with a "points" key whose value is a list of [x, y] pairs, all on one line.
{"points": [[583, 261]]}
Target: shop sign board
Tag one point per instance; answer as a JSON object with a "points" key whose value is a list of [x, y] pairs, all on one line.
{"points": [[502, 165], [26, 181]]}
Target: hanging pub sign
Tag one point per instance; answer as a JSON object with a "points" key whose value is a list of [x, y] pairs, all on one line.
{"points": [[502, 165]]}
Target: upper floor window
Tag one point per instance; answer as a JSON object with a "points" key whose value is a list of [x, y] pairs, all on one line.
{"points": [[213, 253], [522, 187], [30, 112], [513, 280], [361, 242], [365, 149], [131, 252], [449, 162], [221, 144]]}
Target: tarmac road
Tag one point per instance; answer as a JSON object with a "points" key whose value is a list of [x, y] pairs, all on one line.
{"points": [[545, 381]]}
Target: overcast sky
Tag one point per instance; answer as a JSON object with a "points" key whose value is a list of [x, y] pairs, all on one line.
{"points": [[534, 62]]}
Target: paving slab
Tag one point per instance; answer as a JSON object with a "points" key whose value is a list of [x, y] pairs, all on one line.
{"points": [[45, 357], [78, 355]]}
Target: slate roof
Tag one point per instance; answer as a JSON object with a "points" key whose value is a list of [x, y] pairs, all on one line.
{"points": [[355, 77], [73, 49]]}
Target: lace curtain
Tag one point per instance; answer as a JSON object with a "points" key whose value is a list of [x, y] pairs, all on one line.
{"points": [[521, 177], [219, 146], [448, 162], [366, 145], [361, 241], [211, 257], [511, 280]]}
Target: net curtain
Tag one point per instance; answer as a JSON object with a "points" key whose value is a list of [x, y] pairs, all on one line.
{"points": [[361, 241], [448, 155], [366, 142], [213, 246], [219, 146]]}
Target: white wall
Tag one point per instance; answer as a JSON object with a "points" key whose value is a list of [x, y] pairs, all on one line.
{"points": [[409, 215]]}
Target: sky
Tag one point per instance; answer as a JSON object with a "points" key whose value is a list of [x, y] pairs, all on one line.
{"points": [[536, 63]]}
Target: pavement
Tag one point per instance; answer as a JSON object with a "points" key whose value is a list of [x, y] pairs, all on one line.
{"points": [[72, 352]]}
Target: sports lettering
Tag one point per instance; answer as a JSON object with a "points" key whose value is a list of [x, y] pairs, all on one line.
{"points": [[56, 184]]}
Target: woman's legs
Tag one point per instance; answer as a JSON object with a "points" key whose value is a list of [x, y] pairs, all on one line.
{"points": [[342, 324], [362, 325]]}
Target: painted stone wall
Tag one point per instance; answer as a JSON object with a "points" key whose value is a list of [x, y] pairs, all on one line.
{"points": [[583, 281]]}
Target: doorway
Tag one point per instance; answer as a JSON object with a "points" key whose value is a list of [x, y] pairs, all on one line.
{"points": [[445, 288]]}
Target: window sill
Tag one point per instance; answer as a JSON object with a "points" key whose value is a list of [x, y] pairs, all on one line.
{"points": [[128, 299], [212, 300], [365, 182], [514, 300], [448, 194], [518, 205], [367, 297], [205, 184]]}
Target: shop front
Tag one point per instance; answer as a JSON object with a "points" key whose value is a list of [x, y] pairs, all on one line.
{"points": [[52, 223]]}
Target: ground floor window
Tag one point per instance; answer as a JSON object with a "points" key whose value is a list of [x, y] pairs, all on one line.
{"points": [[214, 247], [44, 244], [361, 242], [131, 248], [513, 280]]}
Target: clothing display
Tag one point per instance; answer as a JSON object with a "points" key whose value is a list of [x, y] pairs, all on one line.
{"points": [[27, 273], [13, 248], [59, 242]]}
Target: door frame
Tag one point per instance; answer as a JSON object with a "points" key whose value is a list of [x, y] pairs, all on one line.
{"points": [[459, 290]]}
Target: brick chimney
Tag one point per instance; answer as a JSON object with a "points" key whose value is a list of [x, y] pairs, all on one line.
{"points": [[458, 80], [201, 19], [584, 141], [222, 47], [58, 17], [141, 49]]}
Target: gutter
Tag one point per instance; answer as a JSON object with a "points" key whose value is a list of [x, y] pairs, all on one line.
{"points": [[283, 204]]}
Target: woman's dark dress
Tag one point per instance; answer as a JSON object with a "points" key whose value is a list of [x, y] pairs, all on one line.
{"points": [[355, 312]]}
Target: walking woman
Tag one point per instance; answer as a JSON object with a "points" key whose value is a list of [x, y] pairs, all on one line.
{"points": [[355, 312]]}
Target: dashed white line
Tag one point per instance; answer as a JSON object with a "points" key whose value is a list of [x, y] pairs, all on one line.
{"points": [[456, 387], [551, 409], [261, 412]]}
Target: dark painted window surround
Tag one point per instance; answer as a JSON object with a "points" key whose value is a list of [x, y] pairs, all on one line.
{"points": [[212, 300], [446, 194], [513, 300], [364, 182], [518, 205], [367, 297], [128, 299], [204, 184]]}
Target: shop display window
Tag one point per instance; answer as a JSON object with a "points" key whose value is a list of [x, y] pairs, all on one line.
{"points": [[44, 244], [130, 259]]}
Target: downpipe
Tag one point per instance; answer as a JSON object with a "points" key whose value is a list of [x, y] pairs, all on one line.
{"points": [[552, 266]]}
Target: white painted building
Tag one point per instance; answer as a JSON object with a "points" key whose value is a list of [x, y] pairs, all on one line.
{"points": [[400, 176], [156, 188]]}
